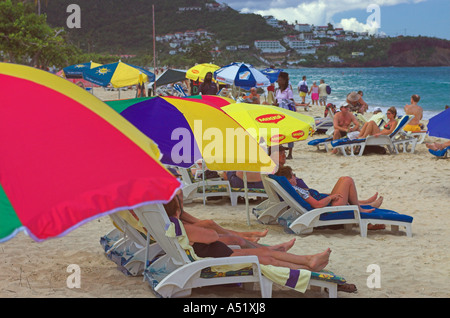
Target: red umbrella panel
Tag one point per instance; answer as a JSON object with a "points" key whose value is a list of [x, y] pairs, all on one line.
{"points": [[67, 158]]}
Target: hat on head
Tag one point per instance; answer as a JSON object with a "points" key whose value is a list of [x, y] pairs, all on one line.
{"points": [[344, 104], [353, 97], [377, 109]]}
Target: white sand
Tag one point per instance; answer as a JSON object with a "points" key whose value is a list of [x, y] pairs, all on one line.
{"points": [[414, 184]]}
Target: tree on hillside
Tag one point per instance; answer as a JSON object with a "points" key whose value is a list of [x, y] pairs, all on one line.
{"points": [[27, 39]]}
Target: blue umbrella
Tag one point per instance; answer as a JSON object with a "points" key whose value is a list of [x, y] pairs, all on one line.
{"points": [[241, 75], [77, 70], [439, 125], [118, 74], [272, 73]]}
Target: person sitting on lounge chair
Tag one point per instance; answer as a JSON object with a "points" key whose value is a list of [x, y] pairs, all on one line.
{"points": [[207, 243], [370, 128], [343, 193]]}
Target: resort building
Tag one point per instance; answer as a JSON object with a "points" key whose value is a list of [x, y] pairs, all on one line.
{"points": [[270, 46]]}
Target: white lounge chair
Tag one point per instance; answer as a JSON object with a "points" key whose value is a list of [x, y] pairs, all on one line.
{"points": [[128, 251], [268, 211], [301, 218], [178, 272], [396, 141]]}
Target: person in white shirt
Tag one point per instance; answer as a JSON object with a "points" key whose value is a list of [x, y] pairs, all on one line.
{"points": [[301, 84]]}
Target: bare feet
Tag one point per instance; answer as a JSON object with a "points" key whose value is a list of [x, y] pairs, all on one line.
{"points": [[369, 200], [283, 247], [320, 261], [377, 203], [432, 146]]}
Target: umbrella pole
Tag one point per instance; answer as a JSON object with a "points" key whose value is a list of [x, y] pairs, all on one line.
{"points": [[147, 252], [247, 208], [203, 177]]}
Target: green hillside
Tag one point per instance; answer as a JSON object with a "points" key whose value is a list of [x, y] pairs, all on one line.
{"points": [[125, 26]]}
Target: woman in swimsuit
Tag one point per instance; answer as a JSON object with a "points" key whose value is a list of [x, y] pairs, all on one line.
{"points": [[371, 129], [343, 193]]}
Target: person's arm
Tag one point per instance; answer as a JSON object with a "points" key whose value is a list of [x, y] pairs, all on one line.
{"points": [[198, 234], [355, 123], [323, 202]]}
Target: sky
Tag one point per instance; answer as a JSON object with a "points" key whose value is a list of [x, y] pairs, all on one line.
{"points": [[390, 17]]}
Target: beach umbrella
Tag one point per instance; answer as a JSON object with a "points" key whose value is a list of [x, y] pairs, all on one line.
{"points": [[272, 73], [118, 74], [275, 125], [187, 131], [77, 70], [241, 75], [439, 125], [68, 158], [198, 72], [170, 76]]}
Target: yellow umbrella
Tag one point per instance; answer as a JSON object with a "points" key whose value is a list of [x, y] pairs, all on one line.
{"points": [[273, 124], [198, 72]]}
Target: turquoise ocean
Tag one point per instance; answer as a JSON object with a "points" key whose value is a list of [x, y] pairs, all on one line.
{"points": [[383, 86]]}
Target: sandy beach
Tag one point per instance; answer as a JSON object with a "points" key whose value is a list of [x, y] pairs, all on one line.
{"points": [[414, 184]]}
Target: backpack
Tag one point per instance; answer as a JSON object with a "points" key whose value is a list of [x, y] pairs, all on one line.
{"points": [[328, 89], [303, 88]]}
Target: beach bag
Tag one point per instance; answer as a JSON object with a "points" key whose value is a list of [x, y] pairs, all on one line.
{"points": [[288, 104], [303, 88], [328, 88]]}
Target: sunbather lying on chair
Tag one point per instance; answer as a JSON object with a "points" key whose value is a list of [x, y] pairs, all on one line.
{"points": [[206, 243], [230, 237], [343, 193]]}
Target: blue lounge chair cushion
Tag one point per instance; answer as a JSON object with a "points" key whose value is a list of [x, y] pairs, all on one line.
{"points": [[317, 141], [378, 214], [289, 189], [344, 141], [439, 153]]}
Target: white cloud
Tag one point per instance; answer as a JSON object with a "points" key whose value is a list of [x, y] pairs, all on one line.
{"points": [[317, 12], [354, 25]]}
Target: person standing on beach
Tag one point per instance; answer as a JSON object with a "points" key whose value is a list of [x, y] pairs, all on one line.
{"points": [[284, 92], [303, 89], [314, 91], [323, 95], [208, 87], [415, 110]]}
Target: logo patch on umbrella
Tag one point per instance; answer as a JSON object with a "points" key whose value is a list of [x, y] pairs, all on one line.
{"points": [[103, 71], [298, 134], [277, 138], [195, 71], [244, 75], [270, 118]]}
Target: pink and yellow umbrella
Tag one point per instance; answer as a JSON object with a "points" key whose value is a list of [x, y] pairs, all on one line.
{"points": [[67, 158]]}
